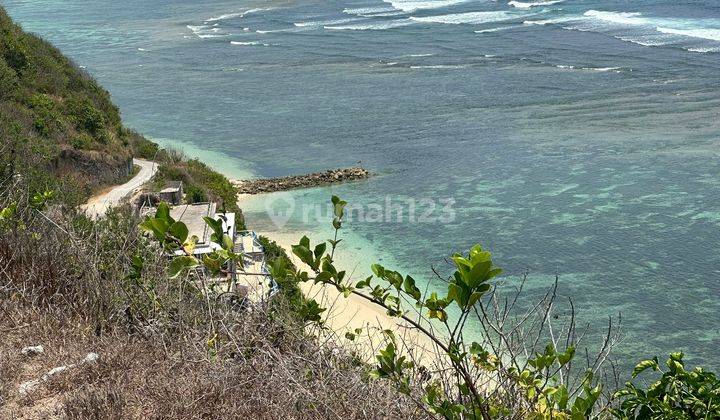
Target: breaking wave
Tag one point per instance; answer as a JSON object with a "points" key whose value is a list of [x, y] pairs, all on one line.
{"points": [[527, 5], [414, 5], [377, 26], [474, 18]]}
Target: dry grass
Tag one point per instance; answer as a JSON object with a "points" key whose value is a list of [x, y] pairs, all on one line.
{"points": [[257, 374], [165, 352]]}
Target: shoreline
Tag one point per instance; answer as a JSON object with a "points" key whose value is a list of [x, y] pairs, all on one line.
{"points": [[344, 315]]}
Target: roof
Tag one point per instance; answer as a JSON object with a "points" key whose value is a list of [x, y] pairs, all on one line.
{"points": [[192, 215], [171, 186]]}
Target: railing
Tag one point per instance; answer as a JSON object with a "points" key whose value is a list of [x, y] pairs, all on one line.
{"points": [[255, 239]]}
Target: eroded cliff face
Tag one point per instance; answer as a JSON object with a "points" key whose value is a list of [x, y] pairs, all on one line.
{"points": [[93, 168]]}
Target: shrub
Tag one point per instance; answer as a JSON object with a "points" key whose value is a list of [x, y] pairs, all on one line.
{"points": [[85, 115], [194, 194], [82, 141], [677, 394], [8, 81]]}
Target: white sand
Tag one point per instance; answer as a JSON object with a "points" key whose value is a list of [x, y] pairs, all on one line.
{"points": [[346, 314]]}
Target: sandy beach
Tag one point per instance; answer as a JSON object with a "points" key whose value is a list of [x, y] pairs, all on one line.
{"points": [[347, 314]]}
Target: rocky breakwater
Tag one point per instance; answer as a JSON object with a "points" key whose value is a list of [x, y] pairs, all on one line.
{"points": [[258, 186]]}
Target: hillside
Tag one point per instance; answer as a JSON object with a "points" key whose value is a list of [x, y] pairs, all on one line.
{"points": [[56, 122], [61, 130], [113, 318]]}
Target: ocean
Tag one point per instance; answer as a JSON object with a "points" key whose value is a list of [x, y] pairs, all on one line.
{"points": [[576, 138]]}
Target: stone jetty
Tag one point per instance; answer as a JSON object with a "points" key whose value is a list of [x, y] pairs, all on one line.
{"points": [[257, 186]]}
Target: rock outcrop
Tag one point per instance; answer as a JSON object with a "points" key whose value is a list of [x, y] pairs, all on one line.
{"points": [[257, 186]]}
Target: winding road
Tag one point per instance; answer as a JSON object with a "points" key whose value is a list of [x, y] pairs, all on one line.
{"points": [[98, 205]]}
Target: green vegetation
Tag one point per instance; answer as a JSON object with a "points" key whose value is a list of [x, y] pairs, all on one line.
{"points": [[60, 128], [677, 394], [52, 113], [169, 349], [505, 373], [200, 182]]}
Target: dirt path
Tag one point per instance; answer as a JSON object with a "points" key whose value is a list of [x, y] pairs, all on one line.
{"points": [[98, 205]]}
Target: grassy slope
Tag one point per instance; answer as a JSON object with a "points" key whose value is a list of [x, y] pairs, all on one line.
{"points": [[58, 126]]}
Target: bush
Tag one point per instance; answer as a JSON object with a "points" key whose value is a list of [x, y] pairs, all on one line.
{"points": [[85, 115], [141, 147], [8, 81], [194, 194], [48, 101], [678, 394], [82, 141]]}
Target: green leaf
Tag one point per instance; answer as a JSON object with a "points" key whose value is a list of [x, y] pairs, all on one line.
{"points": [[158, 227], [378, 269], [163, 212], [565, 357], [320, 250], [410, 288], [228, 244], [644, 365], [212, 263], [363, 283], [303, 253], [323, 277], [217, 228], [179, 230], [180, 264], [473, 299]]}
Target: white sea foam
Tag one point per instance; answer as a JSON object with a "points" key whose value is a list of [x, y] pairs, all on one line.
{"points": [[475, 18], [419, 55], [704, 49], [648, 31], [203, 36], [142, 49], [238, 14], [326, 22], [204, 31], [197, 29], [224, 17], [704, 33], [439, 66], [376, 26], [600, 69], [409, 6], [623, 18], [501, 28], [380, 11], [543, 22], [527, 5], [250, 43], [259, 31]]}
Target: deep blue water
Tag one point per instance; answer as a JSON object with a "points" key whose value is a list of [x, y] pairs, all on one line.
{"points": [[579, 138]]}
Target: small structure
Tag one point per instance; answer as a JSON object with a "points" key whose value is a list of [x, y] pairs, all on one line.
{"points": [[192, 215], [250, 279], [172, 193]]}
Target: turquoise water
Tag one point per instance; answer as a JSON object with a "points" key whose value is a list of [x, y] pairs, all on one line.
{"points": [[577, 138]]}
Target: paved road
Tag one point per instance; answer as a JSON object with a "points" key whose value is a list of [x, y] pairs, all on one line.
{"points": [[97, 206]]}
